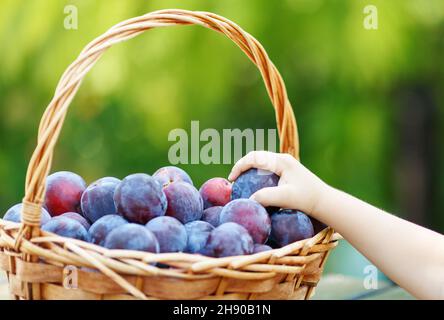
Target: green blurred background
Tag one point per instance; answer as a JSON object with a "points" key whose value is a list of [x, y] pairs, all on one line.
{"points": [[369, 103]]}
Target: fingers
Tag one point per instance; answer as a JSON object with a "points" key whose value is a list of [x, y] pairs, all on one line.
{"points": [[264, 160], [274, 196]]}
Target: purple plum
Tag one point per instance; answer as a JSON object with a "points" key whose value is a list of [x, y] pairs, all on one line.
{"points": [[198, 233], [170, 174], [249, 214], [102, 227], [228, 239], [139, 198], [131, 236], [211, 215], [288, 226], [170, 233], [184, 201], [63, 192], [98, 199], [14, 214]]}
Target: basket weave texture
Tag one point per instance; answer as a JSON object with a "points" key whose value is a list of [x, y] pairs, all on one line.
{"points": [[38, 263]]}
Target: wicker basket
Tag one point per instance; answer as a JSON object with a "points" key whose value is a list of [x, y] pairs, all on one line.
{"points": [[36, 261]]}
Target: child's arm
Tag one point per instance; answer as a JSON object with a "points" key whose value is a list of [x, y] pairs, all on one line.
{"points": [[412, 256]]}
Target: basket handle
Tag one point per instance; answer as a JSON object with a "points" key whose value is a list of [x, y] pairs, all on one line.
{"points": [[54, 116]]}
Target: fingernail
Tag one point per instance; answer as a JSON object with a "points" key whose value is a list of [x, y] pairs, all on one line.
{"points": [[230, 176]]}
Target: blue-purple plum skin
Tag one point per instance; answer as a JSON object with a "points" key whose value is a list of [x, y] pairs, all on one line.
{"points": [[184, 202], [14, 214], [78, 217], [211, 215], [102, 227], [170, 174], [198, 233], [140, 198], [251, 181], [170, 233], [228, 239], [249, 214], [66, 227], [288, 226], [261, 248], [98, 199], [132, 236]]}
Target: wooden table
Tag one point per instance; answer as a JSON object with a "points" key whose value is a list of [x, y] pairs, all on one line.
{"points": [[332, 286]]}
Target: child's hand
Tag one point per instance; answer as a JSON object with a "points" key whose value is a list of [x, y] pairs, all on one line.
{"points": [[298, 188], [394, 245]]}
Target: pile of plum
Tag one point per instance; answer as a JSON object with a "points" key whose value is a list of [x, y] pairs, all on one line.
{"points": [[166, 213]]}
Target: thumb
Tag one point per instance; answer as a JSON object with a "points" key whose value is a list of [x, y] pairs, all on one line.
{"points": [[274, 196]]}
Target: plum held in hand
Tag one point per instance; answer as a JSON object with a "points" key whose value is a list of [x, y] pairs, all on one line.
{"points": [[102, 227], [198, 233], [78, 218], [184, 202], [14, 214], [132, 236], [215, 192], [170, 174], [251, 181], [229, 239], [170, 233], [98, 199], [249, 214], [288, 226], [211, 215], [66, 227], [63, 192], [139, 198]]}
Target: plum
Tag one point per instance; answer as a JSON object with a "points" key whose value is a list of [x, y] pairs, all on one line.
{"points": [[215, 192], [228, 239], [288, 226], [261, 248], [170, 233], [211, 215], [169, 174], [63, 192], [251, 181], [66, 227], [14, 214], [184, 201], [79, 218], [249, 214], [198, 233], [102, 227], [132, 236], [107, 180], [139, 198], [318, 226], [98, 199]]}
